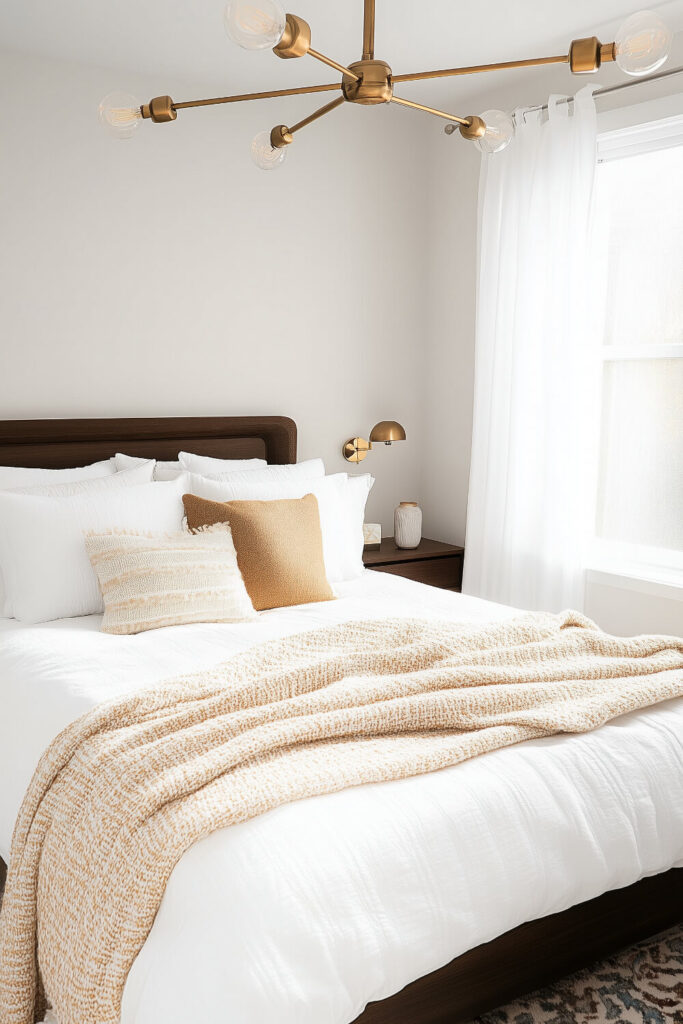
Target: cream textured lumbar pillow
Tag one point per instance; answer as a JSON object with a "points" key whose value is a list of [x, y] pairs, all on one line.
{"points": [[154, 580]]}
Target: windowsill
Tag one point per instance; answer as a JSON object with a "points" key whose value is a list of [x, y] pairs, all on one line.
{"points": [[645, 580]]}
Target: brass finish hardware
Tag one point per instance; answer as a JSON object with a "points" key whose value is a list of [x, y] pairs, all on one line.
{"points": [[281, 136], [369, 81], [369, 30], [274, 94], [318, 113], [385, 432], [296, 38], [476, 69], [474, 129], [356, 449], [585, 55], [430, 110], [371, 84], [332, 64], [159, 110]]}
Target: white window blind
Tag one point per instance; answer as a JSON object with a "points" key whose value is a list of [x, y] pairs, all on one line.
{"points": [[639, 507]]}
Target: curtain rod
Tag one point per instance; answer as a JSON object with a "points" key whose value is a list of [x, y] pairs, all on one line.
{"points": [[450, 128], [616, 88]]}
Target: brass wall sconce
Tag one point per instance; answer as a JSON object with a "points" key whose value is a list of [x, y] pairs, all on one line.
{"points": [[384, 432]]}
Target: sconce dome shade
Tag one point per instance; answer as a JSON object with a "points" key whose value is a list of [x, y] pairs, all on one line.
{"points": [[388, 431]]}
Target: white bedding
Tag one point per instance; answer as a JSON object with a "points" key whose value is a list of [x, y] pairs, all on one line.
{"points": [[305, 914]]}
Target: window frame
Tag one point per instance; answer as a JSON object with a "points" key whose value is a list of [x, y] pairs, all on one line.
{"points": [[628, 562]]}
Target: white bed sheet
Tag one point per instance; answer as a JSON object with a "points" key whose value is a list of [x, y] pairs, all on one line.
{"points": [[305, 914]]}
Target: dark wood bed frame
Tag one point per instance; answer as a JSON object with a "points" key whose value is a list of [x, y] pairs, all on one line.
{"points": [[519, 961]]}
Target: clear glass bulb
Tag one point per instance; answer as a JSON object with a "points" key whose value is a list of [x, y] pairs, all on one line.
{"points": [[643, 43], [255, 26], [119, 112], [499, 132], [265, 155]]}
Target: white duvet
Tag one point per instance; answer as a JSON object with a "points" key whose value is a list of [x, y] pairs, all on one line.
{"points": [[307, 913]]}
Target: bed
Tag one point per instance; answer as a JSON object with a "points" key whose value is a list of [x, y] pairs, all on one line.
{"points": [[430, 899]]}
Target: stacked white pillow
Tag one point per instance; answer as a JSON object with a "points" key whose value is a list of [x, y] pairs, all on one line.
{"points": [[341, 502], [46, 569], [141, 474], [55, 482], [162, 470], [312, 469], [208, 466], [45, 513], [19, 476], [190, 463]]}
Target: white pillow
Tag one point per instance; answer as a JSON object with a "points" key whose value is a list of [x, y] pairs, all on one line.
{"points": [[20, 476], [142, 474], [341, 504], [207, 466], [162, 470], [358, 489], [313, 469], [128, 478], [43, 559]]}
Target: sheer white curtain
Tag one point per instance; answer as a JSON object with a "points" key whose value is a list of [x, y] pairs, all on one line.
{"points": [[534, 432]]}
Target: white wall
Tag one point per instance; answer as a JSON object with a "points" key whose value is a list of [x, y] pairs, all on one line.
{"points": [[166, 275], [454, 178]]}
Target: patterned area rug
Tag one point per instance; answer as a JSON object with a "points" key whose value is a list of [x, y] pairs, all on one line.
{"points": [[641, 985]]}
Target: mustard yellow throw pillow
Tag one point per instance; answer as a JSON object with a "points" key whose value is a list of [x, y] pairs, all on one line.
{"points": [[155, 580], [279, 546]]}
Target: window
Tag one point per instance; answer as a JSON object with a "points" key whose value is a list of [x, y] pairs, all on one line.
{"points": [[639, 508]]}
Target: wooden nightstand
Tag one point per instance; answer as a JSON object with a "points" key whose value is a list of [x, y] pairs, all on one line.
{"points": [[439, 565]]}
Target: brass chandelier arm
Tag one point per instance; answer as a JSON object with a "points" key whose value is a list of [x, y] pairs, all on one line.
{"points": [[369, 30], [476, 69], [341, 68], [274, 94], [431, 110], [318, 113], [282, 136]]}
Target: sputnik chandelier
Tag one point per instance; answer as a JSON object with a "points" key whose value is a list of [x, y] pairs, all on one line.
{"points": [[641, 46]]}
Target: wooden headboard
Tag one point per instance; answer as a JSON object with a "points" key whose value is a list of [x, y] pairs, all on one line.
{"points": [[62, 444]]}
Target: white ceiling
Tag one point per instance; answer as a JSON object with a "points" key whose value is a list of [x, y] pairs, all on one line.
{"points": [[179, 41]]}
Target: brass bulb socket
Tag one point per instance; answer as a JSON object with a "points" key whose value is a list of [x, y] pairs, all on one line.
{"points": [[296, 38], [585, 55], [160, 110], [281, 136], [474, 129]]}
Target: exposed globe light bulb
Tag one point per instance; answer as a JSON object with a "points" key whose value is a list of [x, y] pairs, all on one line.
{"points": [[642, 43], [255, 26], [499, 132], [265, 155], [120, 114]]}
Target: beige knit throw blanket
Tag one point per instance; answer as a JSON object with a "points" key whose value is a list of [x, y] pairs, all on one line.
{"points": [[124, 791]]}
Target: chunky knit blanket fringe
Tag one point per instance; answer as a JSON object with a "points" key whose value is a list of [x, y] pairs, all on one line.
{"points": [[125, 790]]}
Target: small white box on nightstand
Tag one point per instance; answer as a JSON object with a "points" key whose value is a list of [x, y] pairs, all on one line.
{"points": [[372, 536]]}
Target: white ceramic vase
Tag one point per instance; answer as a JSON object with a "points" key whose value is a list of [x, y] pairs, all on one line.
{"points": [[408, 524]]}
